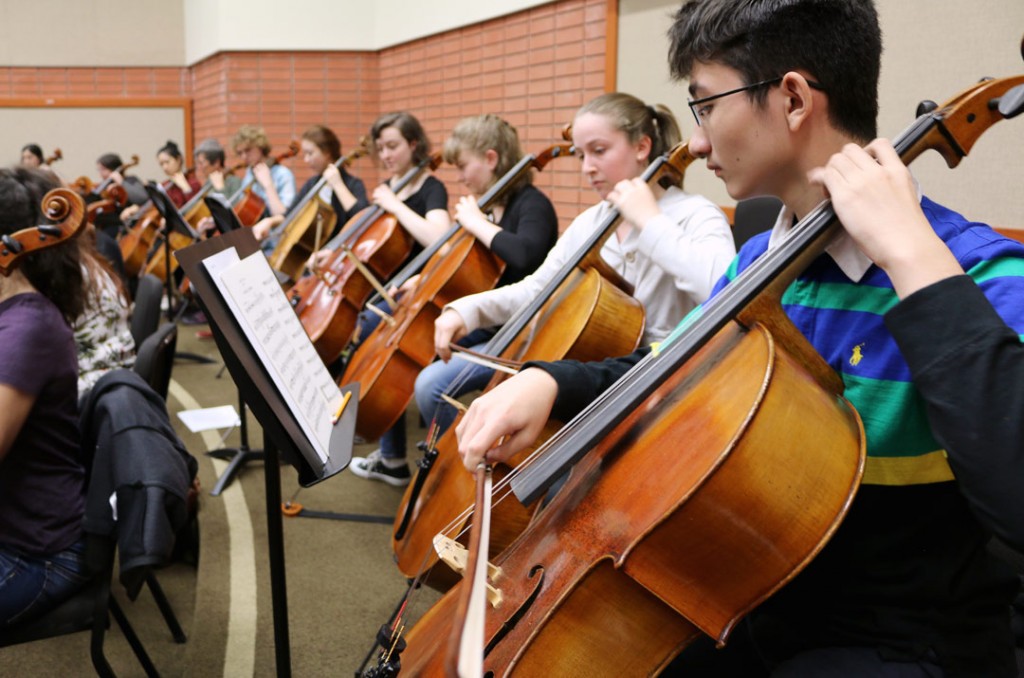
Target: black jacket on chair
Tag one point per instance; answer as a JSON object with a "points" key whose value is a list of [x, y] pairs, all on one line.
{"points": [[133, 451]]}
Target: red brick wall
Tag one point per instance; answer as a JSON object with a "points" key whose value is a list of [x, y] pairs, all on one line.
{"points": [[535, 68], [286, 92]]}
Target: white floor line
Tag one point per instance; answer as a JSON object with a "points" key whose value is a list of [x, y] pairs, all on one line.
{"points": [[240, 643]]}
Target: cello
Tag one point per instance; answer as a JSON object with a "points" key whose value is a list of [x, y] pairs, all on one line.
{"points": [[647, 549], [137, 242], [386, 364], [248, 206], [579, 315], [329, 301], [57, 155], [309, 223], [60, 205], [86, 188]]}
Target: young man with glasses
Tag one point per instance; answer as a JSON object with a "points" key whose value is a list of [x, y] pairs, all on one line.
{"points": [[785, 96]]}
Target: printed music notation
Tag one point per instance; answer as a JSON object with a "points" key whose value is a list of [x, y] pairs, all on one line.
{"points": [[255, 298]]}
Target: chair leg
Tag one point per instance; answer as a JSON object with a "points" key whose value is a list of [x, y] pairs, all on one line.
{"points": [[165, 608], [133, 640], [100, 620]]}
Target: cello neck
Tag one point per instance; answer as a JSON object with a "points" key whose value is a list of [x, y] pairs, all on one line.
{"points": [[500, 341], [348, 235]]}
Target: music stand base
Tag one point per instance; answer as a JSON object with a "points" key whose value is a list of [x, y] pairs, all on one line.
{"points": [[239, 457], [194, 357]]}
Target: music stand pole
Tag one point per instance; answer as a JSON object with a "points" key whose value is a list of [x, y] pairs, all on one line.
{"points": [[168, 286], [238, 456], [275, 545]]}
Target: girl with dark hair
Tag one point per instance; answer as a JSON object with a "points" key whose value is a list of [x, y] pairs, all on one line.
{"points": [[182, 185], [108, 166], [179, 185], [520, 229], [32, 156], [422, 206], [42, 478]]}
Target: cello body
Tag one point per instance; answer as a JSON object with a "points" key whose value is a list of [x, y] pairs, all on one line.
{"points": [[137, 243], [387, 363], [696, 508], [307, 232], [588, 318], [249, 207], [329, 303]]}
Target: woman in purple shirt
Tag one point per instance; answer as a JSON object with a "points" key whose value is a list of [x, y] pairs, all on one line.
{"points": [[42, 478]]}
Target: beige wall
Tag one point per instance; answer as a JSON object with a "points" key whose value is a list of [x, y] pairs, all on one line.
{"points": [[138, 130], [214, 25], [929, 54], [183, 32], [92, 33]]}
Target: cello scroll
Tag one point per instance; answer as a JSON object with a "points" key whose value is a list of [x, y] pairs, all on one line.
{"points": [[60, 205]]}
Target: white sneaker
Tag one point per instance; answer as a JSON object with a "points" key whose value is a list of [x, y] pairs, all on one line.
{"points": [[373, 467]]}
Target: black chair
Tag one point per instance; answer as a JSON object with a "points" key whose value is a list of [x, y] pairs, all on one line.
{"points": [[154, 359], [89, 608], [146, 311], [753, 216]]}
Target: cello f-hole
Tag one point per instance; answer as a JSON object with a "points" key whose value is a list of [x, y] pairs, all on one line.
{"points": [[512, 621]]}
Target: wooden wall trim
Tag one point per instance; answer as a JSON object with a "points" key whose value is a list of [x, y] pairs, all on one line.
{"points": [[611, 55]]}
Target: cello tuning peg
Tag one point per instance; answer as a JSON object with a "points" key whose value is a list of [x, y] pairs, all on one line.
{"points": [[1011, 104], [926, 106]]}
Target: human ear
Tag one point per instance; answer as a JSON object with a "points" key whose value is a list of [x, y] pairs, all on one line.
{"points": [[643, 149], [799, 100], [491, 156]]}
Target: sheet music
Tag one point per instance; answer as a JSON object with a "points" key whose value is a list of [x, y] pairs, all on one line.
{"points": [[254, 296]]}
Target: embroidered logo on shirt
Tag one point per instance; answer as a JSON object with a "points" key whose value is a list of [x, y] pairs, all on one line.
{"points": [[856, 356]]}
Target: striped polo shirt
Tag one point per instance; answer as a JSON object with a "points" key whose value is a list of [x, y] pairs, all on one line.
{"points": [[843, 319]]}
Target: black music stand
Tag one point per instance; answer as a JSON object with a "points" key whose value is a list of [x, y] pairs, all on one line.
{"points": [[226, 221], [281, 429], [173, 222]]}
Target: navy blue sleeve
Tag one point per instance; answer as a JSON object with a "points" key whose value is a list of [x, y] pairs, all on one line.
{"points": [[968, 365], [580, 383]]}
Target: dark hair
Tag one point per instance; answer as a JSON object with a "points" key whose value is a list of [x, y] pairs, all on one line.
{"points": [[410, 129], [837, 43], [56, 272], [212, 151], [95, 266], [324, 139], [171, 149], [482, 133], [110, 160], [35, 150]]}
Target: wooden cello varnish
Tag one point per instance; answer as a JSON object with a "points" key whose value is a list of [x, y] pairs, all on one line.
{"points": [[587, 314], [703, 481], [691, 513], [388, 361]]}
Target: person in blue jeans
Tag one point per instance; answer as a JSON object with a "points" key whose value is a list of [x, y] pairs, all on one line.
{"points": [[421, 208], [520, 228], [42, 476]]}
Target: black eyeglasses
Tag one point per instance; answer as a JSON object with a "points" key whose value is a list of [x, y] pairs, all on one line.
{"points": [[700, 111]]}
